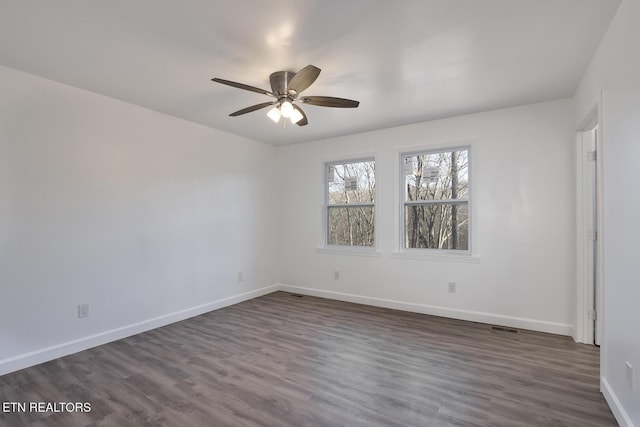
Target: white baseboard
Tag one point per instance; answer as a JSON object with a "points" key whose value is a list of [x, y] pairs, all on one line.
{"points": [[26, 360], [474, 316], [616, 407]]}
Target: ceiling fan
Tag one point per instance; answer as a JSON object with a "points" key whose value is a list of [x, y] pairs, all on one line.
{"points": [[286, 87]]}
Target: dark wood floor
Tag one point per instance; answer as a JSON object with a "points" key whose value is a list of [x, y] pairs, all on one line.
{"points": [[282, 360]]}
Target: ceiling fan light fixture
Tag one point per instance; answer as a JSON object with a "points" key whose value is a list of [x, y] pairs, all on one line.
{"points": [[296, 116], [274, 114], [286, 109], [286, 87]]}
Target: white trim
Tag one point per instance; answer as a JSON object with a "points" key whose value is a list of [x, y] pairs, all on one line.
{"points": [[600, 287], [616, 407], [473, 316], [364, 251], [64, 349], [584, 292], [426, 255]]}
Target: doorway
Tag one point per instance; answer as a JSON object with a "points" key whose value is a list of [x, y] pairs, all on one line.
{"points": [[589, 235]]}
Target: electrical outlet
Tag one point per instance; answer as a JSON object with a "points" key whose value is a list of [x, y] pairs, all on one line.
{"points": [[83, 310], [629, 369], [336, 275], [240, 276], [452, 287]]}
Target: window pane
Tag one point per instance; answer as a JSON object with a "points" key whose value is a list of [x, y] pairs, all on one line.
{"points": [[437, 226], [437, 176], [351, 182], [350, 226]]}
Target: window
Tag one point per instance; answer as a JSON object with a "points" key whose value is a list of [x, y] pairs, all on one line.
{"points": [[350, 197], [435, 206]]}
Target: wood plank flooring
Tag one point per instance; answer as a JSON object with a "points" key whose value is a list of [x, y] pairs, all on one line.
{"points": [[284, 360]]}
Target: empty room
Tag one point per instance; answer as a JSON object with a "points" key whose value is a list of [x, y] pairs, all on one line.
{"points": [[319, 213]]}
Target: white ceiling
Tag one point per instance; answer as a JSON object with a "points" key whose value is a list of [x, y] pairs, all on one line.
{"points": [[406, 61]]}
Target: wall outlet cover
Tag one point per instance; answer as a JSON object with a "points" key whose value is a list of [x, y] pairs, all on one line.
{"points": [[83, 310]]}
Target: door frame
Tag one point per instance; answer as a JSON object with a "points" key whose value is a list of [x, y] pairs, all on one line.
{"points": [[585, 293]]}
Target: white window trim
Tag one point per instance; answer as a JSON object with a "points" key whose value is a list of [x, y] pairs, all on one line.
{"points": [[451, 255], [420, 254], [325, 248], [364, 251]]}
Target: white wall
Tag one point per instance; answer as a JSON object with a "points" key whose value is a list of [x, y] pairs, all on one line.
{"points": [[138, 214], [524, 215], [615, 72]]}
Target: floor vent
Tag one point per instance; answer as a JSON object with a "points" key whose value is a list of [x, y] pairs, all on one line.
{"points": [[505, 329], [296, 295]]}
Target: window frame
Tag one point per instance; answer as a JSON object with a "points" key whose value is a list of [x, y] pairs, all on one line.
{"points": [[347, 249], [457, 254]]}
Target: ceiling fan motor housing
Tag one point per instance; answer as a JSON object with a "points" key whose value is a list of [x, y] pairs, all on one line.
{"points": [[280, 83]]}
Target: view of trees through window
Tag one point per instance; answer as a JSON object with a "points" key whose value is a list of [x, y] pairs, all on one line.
{"points": [[351, 188], [436, 199]]}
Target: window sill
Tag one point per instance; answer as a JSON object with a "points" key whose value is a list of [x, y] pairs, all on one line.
{"points": [[471, 259], [341, 250]]}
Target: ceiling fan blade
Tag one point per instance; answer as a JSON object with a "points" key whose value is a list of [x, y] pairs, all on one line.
{"points": [[252, 108], [329, 101], [242, 86], [303, 121], [304, 78]]}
